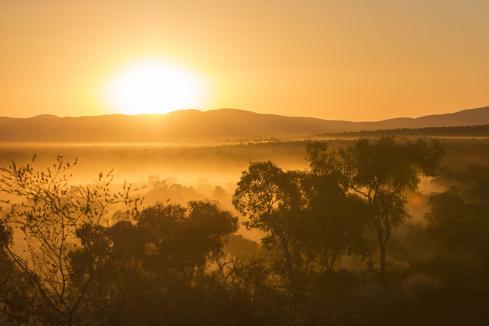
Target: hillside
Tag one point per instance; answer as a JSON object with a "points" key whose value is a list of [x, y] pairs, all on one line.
{"points": [[214, 124]]}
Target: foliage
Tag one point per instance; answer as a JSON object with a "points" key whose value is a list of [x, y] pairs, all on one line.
{"points": [[91, 255], [380, 172], [49, 212]]}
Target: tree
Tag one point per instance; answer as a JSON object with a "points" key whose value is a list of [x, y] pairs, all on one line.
{"points": [[273, 200], [458, 226], [335, 220], [49, 212], [155, 269], [15, 302], [187, 239], [380, 171], [335, 225]]}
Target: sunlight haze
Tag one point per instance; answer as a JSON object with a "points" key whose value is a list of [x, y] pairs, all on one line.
{"points": [[353, 60]]}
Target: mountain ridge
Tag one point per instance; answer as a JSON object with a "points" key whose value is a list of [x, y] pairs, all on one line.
{"points": [[213, 124]]}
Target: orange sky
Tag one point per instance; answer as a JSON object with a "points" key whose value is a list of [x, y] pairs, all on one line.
{"points": [[355, 60]]}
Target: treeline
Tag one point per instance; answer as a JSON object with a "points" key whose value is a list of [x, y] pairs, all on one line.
{"points": [[462, 131], [335, 247]]}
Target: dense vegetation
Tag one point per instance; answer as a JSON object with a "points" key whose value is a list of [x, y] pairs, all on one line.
{"points": [[335, 247], [458, 131]]}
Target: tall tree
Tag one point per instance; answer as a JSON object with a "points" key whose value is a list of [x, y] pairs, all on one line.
{"points": [[380, 171], [272, 200], [335, 220]]}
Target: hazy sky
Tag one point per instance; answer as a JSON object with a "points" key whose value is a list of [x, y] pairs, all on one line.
{"points": [[356, 60]]}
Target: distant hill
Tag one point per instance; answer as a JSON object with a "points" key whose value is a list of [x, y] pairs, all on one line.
{"points": [[214, 124]]}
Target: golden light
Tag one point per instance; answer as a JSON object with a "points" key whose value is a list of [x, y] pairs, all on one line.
{"points": [[154, 86]]}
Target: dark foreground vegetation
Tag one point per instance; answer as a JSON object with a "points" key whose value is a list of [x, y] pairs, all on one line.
{"points": [[335, 247]]}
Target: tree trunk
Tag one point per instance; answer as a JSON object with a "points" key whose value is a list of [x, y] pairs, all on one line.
{"points": [[383, 236], [382, 251], [330, 261], [288, 264]]}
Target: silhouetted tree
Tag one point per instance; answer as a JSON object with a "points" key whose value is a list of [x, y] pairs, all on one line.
{"points": [[335, 220], [273, 200], [380, 171], [458, 226], [48, 212], [16, 305], [155, 269]]}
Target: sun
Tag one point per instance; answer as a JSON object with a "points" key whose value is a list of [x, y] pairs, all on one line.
{"points": [[154, 87]]}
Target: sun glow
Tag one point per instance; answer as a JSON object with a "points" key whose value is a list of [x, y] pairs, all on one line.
{"points": [[156, 87]]}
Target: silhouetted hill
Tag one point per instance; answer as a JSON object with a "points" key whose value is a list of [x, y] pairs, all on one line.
{"points": [[213, 124]]}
